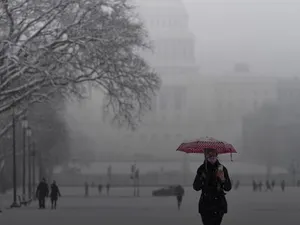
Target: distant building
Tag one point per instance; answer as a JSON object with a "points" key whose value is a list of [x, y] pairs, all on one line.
{"points": [[189, 105], [215, 106], [235, 96], [174, 44], [174, 59], [173, 56], [274, 128]]}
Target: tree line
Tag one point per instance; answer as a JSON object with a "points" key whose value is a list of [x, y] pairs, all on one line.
{"points": [[51, 51]]}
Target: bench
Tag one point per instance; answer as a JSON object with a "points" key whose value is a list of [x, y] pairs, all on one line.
{"points": [[23, 201]]}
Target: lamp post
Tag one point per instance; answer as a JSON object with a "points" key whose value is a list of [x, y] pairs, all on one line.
{"points": [[28, 134], [14, 204], [132, 176], [294, 169], [109, 174], [33, 169], [137, 182], [24, 127]]}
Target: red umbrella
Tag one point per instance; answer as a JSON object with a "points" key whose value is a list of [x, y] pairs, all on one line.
{"points": [[199, 146]]}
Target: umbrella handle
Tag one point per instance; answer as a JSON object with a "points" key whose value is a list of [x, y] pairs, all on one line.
{"points": [[231, 157]]}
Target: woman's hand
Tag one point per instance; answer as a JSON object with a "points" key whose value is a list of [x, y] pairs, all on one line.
{"points": [[221, 176]]}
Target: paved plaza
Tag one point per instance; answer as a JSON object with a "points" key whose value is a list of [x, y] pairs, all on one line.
{"points": [[245, 207]]}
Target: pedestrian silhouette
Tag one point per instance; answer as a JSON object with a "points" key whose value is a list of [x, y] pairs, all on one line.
{"points": [[55, 193], [282, 185], [86, 189], [100, 189], [179, 193], [107, 188], [42, 192]]}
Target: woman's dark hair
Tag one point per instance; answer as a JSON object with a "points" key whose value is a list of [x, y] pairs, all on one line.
{"points": [[207, 150]]}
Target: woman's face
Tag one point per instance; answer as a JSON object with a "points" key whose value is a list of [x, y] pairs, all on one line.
{"points": [[212, 153], [211, 156]]}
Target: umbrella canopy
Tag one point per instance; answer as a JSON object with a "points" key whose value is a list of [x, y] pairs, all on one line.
{"points": [[199, 146]]}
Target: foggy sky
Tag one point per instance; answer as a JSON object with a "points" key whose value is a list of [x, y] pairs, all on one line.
{"points": [[265, 36], [262, 33]]}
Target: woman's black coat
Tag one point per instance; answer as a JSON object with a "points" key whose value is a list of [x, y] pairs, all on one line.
{"points": [[55, 193], [213, 196]]}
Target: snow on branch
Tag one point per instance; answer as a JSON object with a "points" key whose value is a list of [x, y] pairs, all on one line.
{"points": [[61, 45], [21, 110]]}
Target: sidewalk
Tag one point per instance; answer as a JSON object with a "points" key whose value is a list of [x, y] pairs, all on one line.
{"points": [[7, 200], [104, 201]]}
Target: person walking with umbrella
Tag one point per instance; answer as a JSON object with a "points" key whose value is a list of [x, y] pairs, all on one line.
{"points": [[213, 179]]}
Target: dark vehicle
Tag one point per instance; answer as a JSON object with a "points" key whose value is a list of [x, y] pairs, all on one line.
{"points": [[166, 191]]}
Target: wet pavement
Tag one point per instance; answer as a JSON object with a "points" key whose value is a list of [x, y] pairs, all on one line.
{"points": [[245, 207]]}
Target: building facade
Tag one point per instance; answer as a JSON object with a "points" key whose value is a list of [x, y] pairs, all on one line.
{"points": [[272, 132], [236, 96], [189, 104], [174, 59]]}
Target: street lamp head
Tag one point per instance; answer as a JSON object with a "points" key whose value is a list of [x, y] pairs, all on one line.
{"points": [[25, 123], [28, 132]]}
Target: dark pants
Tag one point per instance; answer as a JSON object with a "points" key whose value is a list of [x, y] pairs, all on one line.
{"points": [[212, 218], [53, 203], [42, 202]]}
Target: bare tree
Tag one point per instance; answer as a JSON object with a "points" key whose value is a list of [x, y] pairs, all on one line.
{"points": [[49, 46]]}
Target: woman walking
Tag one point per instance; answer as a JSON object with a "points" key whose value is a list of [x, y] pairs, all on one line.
{"points": [[213, 179], [55, 193]]}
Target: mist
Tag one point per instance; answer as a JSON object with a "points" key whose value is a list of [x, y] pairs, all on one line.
{"points": [[223, 34], [261, 33], [120, 126]]}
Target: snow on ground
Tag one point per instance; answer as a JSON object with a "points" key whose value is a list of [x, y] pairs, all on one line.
{"points": [[245, 207]]}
